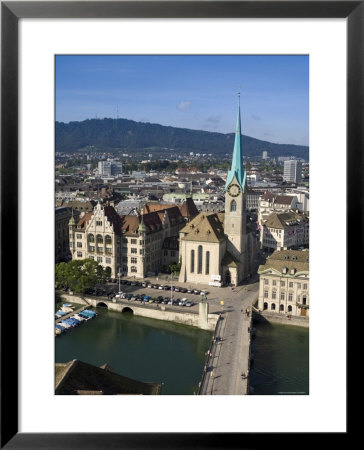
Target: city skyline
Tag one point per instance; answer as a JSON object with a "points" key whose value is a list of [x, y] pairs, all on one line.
{"points": [[189, 91]]}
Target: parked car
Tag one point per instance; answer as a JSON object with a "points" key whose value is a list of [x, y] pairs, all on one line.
{"points": [[183, 290], [159, 299], [166, 288], [189, 303], [204, 292], [189, 291], [165, 300], [146, 298], [182, 301], [196, 291], [177, 289], [161, 287], [149, 285], [144, 284]]}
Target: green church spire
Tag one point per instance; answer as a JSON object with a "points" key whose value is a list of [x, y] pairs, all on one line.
{"points": [[237, 166]]}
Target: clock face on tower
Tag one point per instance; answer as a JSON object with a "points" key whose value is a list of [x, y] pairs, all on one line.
{"points": [[234, 190]]}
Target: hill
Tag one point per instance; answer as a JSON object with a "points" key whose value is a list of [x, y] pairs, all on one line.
{"points": [[130, 136]]}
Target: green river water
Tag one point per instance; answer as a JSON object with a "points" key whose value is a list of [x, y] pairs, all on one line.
{"points": [[140, 348]]}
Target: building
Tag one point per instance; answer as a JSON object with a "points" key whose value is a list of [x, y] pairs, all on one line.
{"points": [[132, 245], [265, 154], [110, 168], [284, 283], [80, 378], [62, 248], [283, 231], [292, 171], [269, 203], [221, 247]]}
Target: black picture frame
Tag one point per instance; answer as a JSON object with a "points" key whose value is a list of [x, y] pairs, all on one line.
{"points": [[11, 12]]}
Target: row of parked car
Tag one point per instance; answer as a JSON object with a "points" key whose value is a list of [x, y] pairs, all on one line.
{"points": [[164, 287], [148, 299]]}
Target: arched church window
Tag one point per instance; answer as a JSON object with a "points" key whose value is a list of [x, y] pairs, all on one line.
{"points": [[192, 260], [207, 270], [233, 205], [99, 239], [91, 238], [107, 239], [199, 257]]}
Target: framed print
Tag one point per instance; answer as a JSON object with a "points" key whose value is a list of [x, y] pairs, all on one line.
{"points": [[32, 34]]}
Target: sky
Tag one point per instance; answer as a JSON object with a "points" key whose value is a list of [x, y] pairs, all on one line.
{"points": [[198, 92]]}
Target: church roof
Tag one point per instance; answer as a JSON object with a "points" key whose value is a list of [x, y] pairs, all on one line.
{"points": [[237, 166], [205, 227], [188, 208], [284, 220], [229, 260]]}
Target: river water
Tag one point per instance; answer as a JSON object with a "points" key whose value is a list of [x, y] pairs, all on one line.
{"points": [[140, 348], [158, 351], [281, 360]]}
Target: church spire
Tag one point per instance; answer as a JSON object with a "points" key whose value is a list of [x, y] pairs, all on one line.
{"points": [[237, 166]]}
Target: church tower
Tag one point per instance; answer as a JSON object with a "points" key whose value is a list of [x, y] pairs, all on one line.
{"points": [[235, 203]]}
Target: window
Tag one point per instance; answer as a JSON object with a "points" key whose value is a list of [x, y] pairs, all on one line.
{"points": [[266, 294], [99, 259], [108, 239], [79, 236], [305, 286], [141, 251], [99, 239], [274, 282], [133, 269], [290, 284], [133, 241], [290, 297], [281, 307], [192, 260], [91, 248], [233, 205], [266, 281], [91, 257], [265, 306], [134, 250], [91, 238], [133, 260], [108, 260], [199, 259], [274, 293], [79, 244], [207, 270], [79, 254], [283, 296], [283, 283], [273, 306], [99, 223], [125, 241], [299, 285], [289, 308], [125, 259]]}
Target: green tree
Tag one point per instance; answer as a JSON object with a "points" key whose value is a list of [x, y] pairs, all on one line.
{"points": [[175, 268], [80, 275]]}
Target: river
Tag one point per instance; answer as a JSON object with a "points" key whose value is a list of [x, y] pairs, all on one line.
{"points": [[137, 347], [281, 360]]}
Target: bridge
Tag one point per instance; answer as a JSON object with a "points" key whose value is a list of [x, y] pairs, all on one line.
{"points": [[229, 355]]}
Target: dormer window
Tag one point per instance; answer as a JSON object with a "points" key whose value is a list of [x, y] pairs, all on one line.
{"points": [[285, 269], [292, 271]]}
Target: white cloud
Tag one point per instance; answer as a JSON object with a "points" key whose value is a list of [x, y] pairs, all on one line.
{"points": [[184, 106]]}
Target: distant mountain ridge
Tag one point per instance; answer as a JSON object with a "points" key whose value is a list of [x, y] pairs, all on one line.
{"points": [[127, 135]]}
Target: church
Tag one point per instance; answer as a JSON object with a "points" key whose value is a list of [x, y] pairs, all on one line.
{"points": [[221, 248]]}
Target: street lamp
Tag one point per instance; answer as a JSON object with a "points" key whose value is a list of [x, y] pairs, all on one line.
{"points": [[119, 283], [171, 287]]}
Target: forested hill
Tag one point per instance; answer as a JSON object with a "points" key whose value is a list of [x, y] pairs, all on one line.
{"points": [[129, 136]]}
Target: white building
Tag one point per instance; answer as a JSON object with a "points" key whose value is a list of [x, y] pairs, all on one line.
{"points": [[110, 168], [284, 283], [292, 171]]}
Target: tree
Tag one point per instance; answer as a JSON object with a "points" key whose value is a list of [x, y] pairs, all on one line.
{"points": [[175, 268], [80, 275]]}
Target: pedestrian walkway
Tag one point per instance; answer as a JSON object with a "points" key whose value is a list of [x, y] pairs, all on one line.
{"points": [[231, 353]]}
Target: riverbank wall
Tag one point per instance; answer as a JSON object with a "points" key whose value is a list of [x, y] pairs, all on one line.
{"points": [[262, 316], [158, 312]]}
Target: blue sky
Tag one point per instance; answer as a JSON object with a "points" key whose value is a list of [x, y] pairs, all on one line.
{"points": [[197, 92]]}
